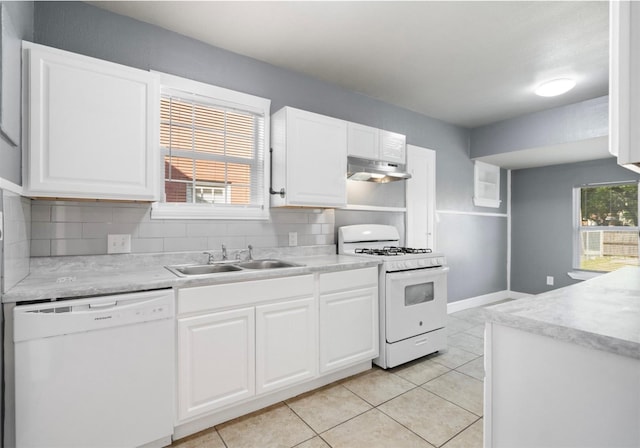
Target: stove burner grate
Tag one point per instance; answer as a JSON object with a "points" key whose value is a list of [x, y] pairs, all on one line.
{"points": [[392, 250]]}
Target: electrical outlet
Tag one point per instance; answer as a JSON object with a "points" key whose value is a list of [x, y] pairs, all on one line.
{"points": [[549, 280], [118, 244], [293, 238]]}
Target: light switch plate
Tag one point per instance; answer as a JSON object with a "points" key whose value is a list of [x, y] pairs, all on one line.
{"points": [[293, 238], [119, 244]]}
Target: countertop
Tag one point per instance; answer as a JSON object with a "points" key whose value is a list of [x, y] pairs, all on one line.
{"points": [[90, 276], [602, 313]]}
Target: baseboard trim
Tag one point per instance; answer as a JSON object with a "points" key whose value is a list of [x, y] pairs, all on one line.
{"points": [[485, 299], [519, 295]]}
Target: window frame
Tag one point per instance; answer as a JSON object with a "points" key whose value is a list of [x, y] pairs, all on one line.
{"points": [[584, 274], [224, 98]]}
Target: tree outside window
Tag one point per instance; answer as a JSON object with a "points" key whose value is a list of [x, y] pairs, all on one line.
{"points": [[607, 236]]}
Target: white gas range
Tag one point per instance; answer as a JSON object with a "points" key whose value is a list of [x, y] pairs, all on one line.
{"points": [[412, 292]]}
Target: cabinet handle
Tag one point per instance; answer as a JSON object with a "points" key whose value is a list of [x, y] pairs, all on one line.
{"points": [[271, 190]]}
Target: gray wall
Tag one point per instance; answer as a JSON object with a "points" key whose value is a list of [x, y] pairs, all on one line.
{"points": [[85, 29], [479, 247], [542, 227], [575, 122], [21, 14]]}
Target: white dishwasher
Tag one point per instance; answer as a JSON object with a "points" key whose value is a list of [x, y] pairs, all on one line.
{"points": [[95, 372]]}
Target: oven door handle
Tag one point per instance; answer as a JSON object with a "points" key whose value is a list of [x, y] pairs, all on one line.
{"points": [[418, 273]]}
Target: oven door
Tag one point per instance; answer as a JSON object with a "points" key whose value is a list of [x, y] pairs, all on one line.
{"points": [[415, 302]]}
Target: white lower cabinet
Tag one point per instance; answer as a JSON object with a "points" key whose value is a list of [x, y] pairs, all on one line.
{"points": [[246, 342], [286, 341], [215, 360], [348, 318], [239, 340]]}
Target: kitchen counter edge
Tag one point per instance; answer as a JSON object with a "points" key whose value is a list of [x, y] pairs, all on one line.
{"points": [[94, 282], [602, 313]]}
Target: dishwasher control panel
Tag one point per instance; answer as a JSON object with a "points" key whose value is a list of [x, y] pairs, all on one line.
{"points": [[78, 315]]}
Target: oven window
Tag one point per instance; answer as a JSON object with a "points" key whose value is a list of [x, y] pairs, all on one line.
{"points": [[420, 293]]}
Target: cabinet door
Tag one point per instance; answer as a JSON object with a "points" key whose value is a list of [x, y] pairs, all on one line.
{"points": [[624, 91], [363, 141], [316, 160], [421, 197], [93, 128], [216, 361], [392, 147], [286, 343], [348, 328]]}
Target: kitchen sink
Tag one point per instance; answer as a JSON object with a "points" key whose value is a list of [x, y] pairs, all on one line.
{"points": [[215, 268], [266, 264], [202, 269]]}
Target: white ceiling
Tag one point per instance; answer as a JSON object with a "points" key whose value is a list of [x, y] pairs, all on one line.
{"points": [[466, 63]]}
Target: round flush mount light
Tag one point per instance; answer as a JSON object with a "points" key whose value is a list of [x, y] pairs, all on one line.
{"points": [[555, 87]]}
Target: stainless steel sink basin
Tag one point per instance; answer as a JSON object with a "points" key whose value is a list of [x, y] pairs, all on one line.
{"points": [[202, 269], [266, 264], [208, 269]]}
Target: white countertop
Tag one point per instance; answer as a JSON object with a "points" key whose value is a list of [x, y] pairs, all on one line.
{"points": [[602, 313], [90, 276]]}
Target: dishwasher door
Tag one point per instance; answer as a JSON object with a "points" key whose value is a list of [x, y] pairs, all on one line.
{"points": [[95, 372]]}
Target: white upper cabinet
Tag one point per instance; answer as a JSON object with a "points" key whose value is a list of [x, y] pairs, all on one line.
{"points": [[624, 83], [392, 147], [375, 144], [92, 127], [364, 141], [309, 159]]}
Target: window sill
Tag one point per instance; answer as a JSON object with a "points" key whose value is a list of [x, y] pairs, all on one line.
{"points": [[184, 211], [483, 202], [584, 275]]}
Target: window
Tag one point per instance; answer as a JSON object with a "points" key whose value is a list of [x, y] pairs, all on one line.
{"points": [[606, 226], [212, 142]]}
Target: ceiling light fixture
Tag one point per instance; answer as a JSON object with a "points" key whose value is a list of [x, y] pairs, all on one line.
{"points": [[555, 87]]}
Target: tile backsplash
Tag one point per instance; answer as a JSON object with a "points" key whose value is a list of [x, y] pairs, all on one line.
{"points": [[80, 228], [17, 232]]}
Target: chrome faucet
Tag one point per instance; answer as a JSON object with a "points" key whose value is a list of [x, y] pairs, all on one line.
{"points": [[250, 252], [212, 257], [224, 252]]}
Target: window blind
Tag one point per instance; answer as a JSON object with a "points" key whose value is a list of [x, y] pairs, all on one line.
{"points": [[212, 147]]}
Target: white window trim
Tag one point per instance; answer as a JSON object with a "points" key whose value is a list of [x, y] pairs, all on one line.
{"points": [[231, 99], [582, 274]]}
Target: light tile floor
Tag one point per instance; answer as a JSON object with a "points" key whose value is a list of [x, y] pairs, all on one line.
{"points": [[435, 401]]}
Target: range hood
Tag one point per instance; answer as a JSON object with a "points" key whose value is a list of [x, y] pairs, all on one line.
{"points": [[375, 170]]}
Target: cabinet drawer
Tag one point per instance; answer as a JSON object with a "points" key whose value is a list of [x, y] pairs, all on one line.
{"points": [[356, 278], [210, 297]]}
